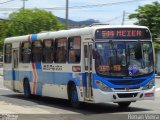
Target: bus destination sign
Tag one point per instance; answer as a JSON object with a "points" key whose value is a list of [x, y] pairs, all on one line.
{"points": [[122, 33]]}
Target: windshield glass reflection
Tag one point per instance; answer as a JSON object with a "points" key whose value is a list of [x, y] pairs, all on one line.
{"points": [[124, 58]]}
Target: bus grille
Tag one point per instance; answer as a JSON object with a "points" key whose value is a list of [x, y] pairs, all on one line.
{"points": [[127, 95], [134, 88], [127, 82]]}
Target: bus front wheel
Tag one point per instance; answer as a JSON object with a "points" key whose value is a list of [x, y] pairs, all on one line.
{"points": [[124, 104], [74, 101], [26, 87]]}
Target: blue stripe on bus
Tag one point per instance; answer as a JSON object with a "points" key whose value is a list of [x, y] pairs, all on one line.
{"points": [[7, 75], [106, 81], [44, 77], [62, 78], [33, 37], [38, 66], [39, 89], [14, 74]]}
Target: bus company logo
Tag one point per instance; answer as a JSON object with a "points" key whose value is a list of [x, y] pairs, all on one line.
{"points": [[52, 68]]}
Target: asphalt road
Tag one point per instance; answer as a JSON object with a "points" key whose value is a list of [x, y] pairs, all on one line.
{"points": [[15, 105]]}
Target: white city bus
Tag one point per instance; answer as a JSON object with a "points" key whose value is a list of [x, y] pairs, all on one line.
{"points": [[96, 64]]}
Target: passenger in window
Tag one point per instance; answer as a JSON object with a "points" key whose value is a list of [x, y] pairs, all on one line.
{"points": [[8, 53], [74, 56], [61, 57], [76, 43], [77, 56], [26, 52], [47, 55], [37, 54], [48, 52], [8, 58]]}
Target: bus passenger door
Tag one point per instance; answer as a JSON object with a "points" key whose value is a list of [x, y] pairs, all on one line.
{"points": [[15, 73], [88, 70]]}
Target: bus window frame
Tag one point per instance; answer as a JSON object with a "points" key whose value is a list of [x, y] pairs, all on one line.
{"points": [[52, 47], [20, 53], [72, 39], [55, 49], [10, 61], [32, 51]]}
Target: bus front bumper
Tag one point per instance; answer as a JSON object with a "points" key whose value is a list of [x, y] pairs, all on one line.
{"points": [[122, 96]]}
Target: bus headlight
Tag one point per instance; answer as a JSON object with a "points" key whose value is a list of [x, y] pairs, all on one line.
{"points": [[149, 85], [103, 86]]}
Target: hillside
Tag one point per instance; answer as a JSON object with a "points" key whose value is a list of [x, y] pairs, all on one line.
{"points": [[85, 22]]}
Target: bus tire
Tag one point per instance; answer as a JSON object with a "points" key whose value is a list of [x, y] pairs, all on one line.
{"points": [[26, 87], [124, 104], [73, 96]]}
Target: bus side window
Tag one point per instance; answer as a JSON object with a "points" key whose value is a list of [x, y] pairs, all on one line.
{"points": [[48, 51], [74, 49], [26, 52], [36, 51], [8, 53], [60, 50]]}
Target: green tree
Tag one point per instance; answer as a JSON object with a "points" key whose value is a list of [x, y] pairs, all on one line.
{"points": [[32, 21], [3, 33], [28, 21], [149, 15]]}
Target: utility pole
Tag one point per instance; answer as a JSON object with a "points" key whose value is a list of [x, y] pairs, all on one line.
{"points": [[66, 21], [23, 4], [123, 18]]}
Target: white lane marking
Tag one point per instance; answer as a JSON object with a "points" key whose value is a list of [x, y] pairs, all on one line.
{"points": [[157, 89], [4, 89]]}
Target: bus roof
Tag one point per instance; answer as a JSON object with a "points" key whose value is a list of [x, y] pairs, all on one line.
{"points": [[66, 33]]}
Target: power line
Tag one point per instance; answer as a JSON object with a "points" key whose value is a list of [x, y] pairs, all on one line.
{"points": [[6, 1], [115, 18], [121, 16], [82, 7], [92, 6]]}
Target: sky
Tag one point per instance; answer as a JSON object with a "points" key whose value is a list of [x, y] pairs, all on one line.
{"points": [[110, 14]]}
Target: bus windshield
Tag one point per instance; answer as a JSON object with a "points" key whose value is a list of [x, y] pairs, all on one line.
{"points": [[124, 58]]}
